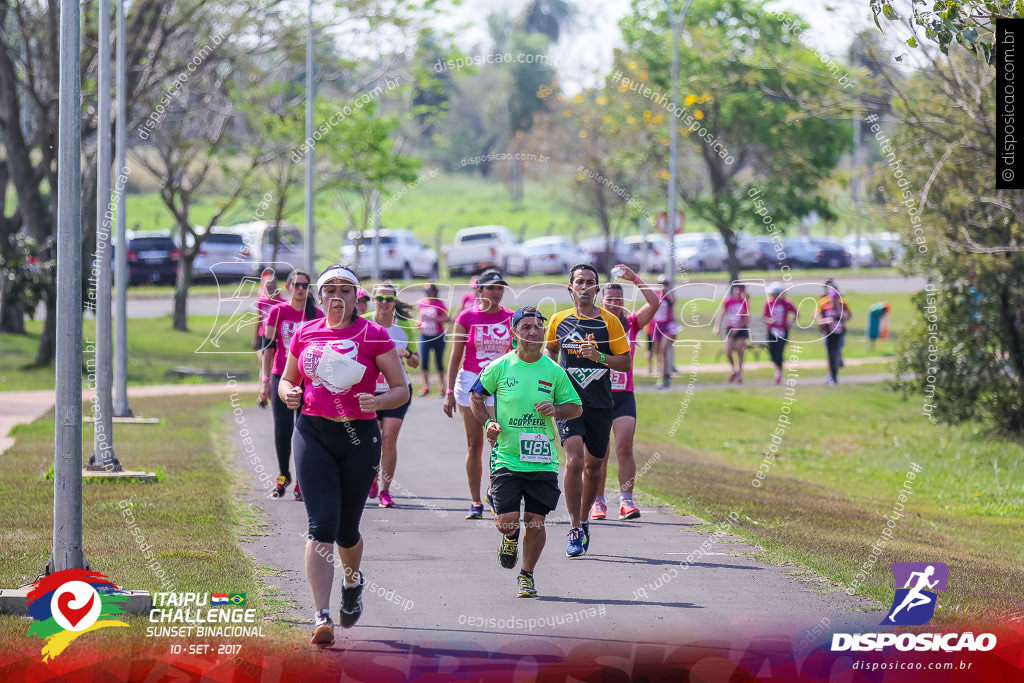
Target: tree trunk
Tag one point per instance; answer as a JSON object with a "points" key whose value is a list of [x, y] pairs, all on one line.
{"points": [[733, 263], [46, 352], [12, 316], [181, 284]]}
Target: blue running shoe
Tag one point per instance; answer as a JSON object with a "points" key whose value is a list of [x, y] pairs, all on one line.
{"points": [[490, 502], [575, 547], [586, 537], [475, 512]]}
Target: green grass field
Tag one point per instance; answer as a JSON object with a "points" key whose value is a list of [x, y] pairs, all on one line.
{"points": [[841, 463], [191, 517]]}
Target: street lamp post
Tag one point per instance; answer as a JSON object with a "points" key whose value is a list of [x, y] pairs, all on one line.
{"points": [[676, 22], [310, 250]]}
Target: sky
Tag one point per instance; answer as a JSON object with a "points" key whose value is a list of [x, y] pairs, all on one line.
{"points": [[588, 52]]}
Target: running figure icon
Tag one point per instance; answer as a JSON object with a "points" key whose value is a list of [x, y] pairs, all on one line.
{"points": [[915, 598]]}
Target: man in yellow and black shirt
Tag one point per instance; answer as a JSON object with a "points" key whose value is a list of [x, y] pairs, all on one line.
{"points": [[588, 342]]}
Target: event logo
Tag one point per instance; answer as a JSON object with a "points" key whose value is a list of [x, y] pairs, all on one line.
{"points": [[914, 604], [69, 603]]}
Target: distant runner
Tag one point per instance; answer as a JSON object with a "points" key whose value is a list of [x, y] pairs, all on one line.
{"points": [[529, 389]]}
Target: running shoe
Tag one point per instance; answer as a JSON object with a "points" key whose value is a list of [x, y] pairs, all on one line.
{"points": [[575, 547], [508, 551], [423, 391], [323, 629], [298, 493], [662, 386], [351, 604], [739, 378], [373, 489], [526, 587], [490, 502], [830, 380], [732, 376], [440, 392], [628, 511], [385, 500], [778, 376], [282, 483], [475, 512], [586, 537], [599, 510]]}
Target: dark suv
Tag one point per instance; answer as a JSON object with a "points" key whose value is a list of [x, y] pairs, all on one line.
{"points": [[152, 258]]}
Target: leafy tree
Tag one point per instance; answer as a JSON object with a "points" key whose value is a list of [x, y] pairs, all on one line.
{"points": [[965, 352], [770, 117], [968, 23]]}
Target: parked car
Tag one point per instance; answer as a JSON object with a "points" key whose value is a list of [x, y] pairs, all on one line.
{"points": [[656, 258], [402, 255], [259, 237], [874, 250], [747, 252], [152, 257], [767, 256], [486, 246], [552, 255], [224, 254], [700, 251], [805, 252], [601, 257]]}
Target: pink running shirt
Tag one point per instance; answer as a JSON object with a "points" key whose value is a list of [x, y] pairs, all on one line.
{"points": [[623, 381], [286, 319], [362, 342], [488, 336], [430, 312]]}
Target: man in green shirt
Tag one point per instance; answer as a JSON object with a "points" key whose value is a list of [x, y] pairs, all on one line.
{"points": [[529, 390]]}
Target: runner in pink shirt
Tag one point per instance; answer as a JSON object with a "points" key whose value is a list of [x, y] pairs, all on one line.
{"points": [[734, 318], [480, 335], [282, 321], [624, 400], [268, 297], [779, 315], [432, 319], [331, 372]]}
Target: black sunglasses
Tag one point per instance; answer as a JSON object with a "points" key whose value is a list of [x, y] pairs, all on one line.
{"points": [[301, 284]]}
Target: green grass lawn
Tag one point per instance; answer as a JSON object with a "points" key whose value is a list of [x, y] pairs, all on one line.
{"points": [[840, 466], [190, 517], [154, 347]]}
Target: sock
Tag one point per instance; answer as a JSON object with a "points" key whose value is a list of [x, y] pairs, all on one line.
{"points": [[625, 498], [599, 499], [346, 584], [326, 613], [513, 536]]}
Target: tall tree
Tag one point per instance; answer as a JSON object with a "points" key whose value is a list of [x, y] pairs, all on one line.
{"points": [[770, 119], [964, 354]]}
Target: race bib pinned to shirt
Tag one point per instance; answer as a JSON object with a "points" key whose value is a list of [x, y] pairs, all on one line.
{"points": [[585, 376], [618, 380], [535, 447], [337, 370]]}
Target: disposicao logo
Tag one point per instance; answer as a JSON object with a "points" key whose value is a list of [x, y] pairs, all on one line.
{"points": [[913, 605], [68, 603]]}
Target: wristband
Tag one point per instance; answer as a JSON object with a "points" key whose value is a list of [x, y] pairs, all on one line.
{"points": [[450, 391], [489, 421], [266, 379], [636, 280], [602, 358]]}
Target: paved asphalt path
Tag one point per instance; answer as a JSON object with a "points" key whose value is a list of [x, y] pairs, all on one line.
{"points": [[701, 286], [434, 578]]}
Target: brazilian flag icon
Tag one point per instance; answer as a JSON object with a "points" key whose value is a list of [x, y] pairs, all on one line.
{"points": [[237, 599]]}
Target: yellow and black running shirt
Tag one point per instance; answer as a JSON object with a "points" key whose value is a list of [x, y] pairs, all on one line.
{"points": [[571, 332]]}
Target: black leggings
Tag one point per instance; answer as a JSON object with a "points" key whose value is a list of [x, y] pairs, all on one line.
{"points": [[335, 463], [834, 349], [776, 345], [284, 424], [430, 345]]}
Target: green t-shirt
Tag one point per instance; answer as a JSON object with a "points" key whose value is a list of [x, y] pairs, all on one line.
{"points": [[527, 439]]}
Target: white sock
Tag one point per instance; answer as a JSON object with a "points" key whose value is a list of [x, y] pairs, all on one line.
{"points": [[346, 584]]}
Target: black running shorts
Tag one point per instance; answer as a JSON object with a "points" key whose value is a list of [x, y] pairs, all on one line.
{"points": [[538, 489], [624, 404], [594, 425]]}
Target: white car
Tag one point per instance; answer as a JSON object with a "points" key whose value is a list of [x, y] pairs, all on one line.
{"points": [[656, 258], [552, 255], [402, 255], [486, 246], [873, 250], [237, 251], [700, 251]]}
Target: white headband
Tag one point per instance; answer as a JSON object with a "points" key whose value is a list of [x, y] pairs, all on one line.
{"points": [[336, 272]]}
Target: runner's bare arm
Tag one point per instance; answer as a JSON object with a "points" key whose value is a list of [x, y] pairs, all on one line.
{"points": [[647, 311], [478, 404], [391, 366], [289, 390]]}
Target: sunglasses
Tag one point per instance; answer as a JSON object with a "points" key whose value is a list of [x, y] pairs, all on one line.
{"points": [[382, 299], [300, 285]]}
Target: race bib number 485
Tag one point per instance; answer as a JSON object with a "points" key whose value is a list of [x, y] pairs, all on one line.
{"points": [[534, 447]]}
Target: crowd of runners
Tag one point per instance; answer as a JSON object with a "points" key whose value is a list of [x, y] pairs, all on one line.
{"points": [[336, 376]]}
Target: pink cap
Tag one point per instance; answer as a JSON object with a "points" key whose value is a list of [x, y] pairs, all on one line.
{"points": [[361, 293]]}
